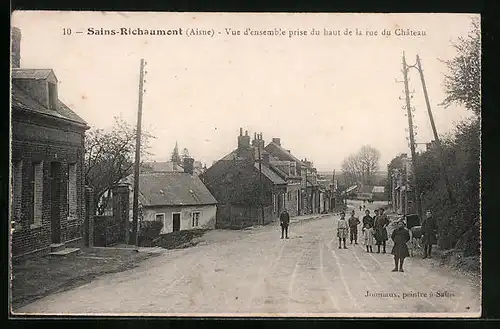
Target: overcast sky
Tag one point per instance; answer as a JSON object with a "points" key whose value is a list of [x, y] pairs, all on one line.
{"points": [[324, 96]]}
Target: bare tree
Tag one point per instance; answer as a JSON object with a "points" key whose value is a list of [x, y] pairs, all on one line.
{"points": [[109, 157], [360, 167], [368, 158]]}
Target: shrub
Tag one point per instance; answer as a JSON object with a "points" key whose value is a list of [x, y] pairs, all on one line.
{"points": [[148, 231]]}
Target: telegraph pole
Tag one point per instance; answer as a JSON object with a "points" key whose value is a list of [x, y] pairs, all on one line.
{"points": [[333, 191], [135, 210], [261, 194], [412, 138], [307, 196], [434, 130]]}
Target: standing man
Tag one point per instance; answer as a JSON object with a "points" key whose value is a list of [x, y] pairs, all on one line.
{"points": [[429, 236], [284, 222], [380, 226], [353, 227]]}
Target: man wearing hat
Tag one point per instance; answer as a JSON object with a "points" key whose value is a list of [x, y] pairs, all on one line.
{"points": [[284, 222], [429, 237]]}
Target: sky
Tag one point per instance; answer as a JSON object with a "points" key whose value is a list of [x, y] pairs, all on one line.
{"points": [[325, 96]]}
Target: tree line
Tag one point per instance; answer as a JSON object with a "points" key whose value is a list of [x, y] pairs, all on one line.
{"points": [[360, 167], [459, 217]]}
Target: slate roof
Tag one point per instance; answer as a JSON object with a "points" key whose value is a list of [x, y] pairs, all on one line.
{"points": [[21, 99], [172, 189], [280, 152], [167, 166], [271, 175], [234, 154], [36, 74]]}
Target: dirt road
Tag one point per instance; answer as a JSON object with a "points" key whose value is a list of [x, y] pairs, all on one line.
{"points": [[256, 273]]}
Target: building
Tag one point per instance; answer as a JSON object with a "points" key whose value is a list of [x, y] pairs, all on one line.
{"points": [[169, 166], [159, 166], [308, 192], [179, 200], [402, 192], [47, 200], [251, 186]]}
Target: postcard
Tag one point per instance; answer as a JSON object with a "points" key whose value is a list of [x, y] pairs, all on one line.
{"points": [[245, 164]]}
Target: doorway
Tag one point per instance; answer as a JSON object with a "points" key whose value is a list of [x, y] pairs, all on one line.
{"points": [[55, 198], [176, 222]]}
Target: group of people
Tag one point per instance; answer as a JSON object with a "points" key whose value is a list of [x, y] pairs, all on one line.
{"points": [[374, 229]]}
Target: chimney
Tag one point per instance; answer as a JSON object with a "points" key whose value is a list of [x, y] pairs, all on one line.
{"points": [[16, 48], [254, 141], [261, 141], [277, 141], [188, 165], [243, 141]]}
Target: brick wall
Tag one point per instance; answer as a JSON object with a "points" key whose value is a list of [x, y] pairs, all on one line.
{"points": [[45, 140]]}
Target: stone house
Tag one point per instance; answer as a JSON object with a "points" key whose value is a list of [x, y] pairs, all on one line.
{"points": [[47, 153], [308, 199], [249, 187], [179, 200]]}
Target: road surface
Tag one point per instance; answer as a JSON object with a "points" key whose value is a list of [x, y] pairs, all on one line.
{"points": [[256, 273]]}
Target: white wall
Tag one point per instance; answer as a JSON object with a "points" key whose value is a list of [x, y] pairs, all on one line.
{"points": [[206, 219]]}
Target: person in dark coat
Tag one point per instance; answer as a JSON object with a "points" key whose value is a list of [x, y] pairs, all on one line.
{"points": [[367, 219], [400, 236], [429, 236], [380, 227], [353, 227], [284, 222]]}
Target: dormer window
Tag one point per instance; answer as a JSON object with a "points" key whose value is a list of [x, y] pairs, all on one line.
{"points": [[293, 172], [52, 96]]}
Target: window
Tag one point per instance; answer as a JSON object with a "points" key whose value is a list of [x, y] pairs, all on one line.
{"points": [[71, 191], [289, 196], [17, 189], [160, 218], [293, 172], [195, 219], [37, 183]]}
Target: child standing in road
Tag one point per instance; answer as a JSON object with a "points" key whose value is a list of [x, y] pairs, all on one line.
{"points": [[342, 229], [400, 236], [369, 237]]}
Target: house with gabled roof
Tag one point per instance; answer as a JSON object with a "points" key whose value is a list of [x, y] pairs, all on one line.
{"points": [[249, 188], [309, 198], [179, 200], [47, 154]]}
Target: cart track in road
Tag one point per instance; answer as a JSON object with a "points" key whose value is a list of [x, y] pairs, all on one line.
{"points": [[325, 280], [263, 274], [341, 275]]}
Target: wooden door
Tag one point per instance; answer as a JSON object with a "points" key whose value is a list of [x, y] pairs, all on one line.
{"points": [[176, 222]]}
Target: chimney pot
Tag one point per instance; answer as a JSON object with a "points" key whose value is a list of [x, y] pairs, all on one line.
{"points": [[241, 131], [246, 132]]}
